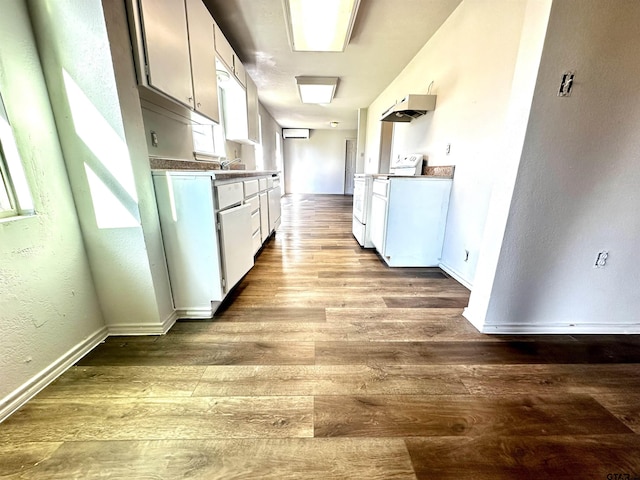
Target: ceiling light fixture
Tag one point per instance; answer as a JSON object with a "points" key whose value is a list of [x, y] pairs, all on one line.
{"points": [[333, 124], [319, 25], [317, 89]]}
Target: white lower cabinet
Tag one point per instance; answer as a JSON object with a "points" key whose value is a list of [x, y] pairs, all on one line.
{"points": [[264, 216], [208, 250], [408, 219], [274, 194]]}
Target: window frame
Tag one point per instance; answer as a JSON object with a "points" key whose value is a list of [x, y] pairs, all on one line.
{"points": [[15, 190], [6, 189]]}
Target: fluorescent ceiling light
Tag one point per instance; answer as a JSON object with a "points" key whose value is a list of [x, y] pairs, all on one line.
{"points": [[320, 25], [317, 89]]}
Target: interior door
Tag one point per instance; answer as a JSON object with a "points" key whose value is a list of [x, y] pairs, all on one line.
{"points": [[349, 166], [236, 243]]}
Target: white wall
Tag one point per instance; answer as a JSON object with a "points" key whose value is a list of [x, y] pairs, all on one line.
{"points": [[108, 170], [471, 60], [577, 186], [48, 303], [317, 164]]}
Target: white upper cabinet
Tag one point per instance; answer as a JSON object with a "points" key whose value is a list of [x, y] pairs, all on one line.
{"points": [[176, 52], [223, 48], [253, 107], [229, 58], [166, 40], [239, 71], [203, 59]]}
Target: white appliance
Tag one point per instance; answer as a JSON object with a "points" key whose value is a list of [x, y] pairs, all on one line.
{"points": [[408, 218], [362, 184], [408, 165]]}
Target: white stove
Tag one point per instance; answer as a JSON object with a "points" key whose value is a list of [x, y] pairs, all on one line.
{"points": [[362, 208], [407, 165]]}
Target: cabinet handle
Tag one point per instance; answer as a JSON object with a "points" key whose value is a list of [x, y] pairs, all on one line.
{"points": [[190, 99], [198, 104]]}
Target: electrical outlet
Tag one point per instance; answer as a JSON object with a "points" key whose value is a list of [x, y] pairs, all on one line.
{"points": [[601, 259]]}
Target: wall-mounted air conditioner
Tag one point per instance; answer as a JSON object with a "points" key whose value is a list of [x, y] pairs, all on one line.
{"points": [[295, 133]]}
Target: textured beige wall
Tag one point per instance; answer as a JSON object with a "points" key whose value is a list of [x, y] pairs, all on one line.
{"points": [[48, 303]]}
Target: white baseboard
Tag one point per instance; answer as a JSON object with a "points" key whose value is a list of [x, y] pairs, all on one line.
{"points": [[456, 275], [561, 329], [32, 387], [144, 328], [199, 313]]}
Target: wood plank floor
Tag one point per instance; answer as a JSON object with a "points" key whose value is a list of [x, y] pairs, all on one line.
{"points": [[326, 364]]}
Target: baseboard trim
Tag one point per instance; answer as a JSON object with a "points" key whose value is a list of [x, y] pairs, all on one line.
{"points": [[136, 329], [32, 387], [562, 329], [456, 275]]}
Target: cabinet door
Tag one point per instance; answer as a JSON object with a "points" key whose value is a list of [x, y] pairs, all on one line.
{"points": [[274, 208], [166, 40], [203, 59], [253, 128], [236, 244], [264, 216], [378, 221], [223, 48], [239, 71]]}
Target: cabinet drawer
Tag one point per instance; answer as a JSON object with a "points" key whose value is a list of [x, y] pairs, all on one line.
{"points": [[254, 202], [257, 241], [255, 222], [250, 187], [270, 182], [263, 184], [229, 194], [276, 182], [381, 187]]}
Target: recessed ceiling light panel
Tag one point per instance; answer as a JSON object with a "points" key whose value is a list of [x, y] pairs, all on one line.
{"points": [[320, 25], [317, 89]]}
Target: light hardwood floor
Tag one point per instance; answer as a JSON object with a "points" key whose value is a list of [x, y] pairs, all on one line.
{"points": [[327, 364]]}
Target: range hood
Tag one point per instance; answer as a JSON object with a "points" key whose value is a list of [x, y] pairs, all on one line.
{"points": [[410, 107]]}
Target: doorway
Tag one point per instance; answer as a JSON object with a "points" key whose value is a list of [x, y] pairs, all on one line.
{"points": [[349, 165]]}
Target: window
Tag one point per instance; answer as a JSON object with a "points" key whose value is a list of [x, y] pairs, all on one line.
{"points": [[15, 198], [7, 204]]}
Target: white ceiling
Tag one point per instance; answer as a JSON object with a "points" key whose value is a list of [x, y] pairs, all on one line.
{"points": [[386, 36]]}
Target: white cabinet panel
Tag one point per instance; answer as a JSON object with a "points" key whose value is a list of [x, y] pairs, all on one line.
{"points": [[274, 208], [254, 203], [239, 71], [255, 221], [250, 188], [229, 194], [257, 242], [236, 244], [167, 49], [263, 184], [223, 48], [378, 222], [185, 206], [253, 108], [264, 215], [203, 66]]}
